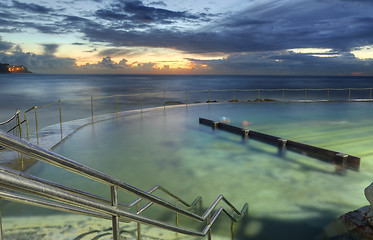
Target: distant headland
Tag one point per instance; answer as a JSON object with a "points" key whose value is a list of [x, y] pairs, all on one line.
{"points": [[6, 68]]}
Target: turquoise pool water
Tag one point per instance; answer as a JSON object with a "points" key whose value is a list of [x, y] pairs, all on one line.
{"points": [[290, 197]]}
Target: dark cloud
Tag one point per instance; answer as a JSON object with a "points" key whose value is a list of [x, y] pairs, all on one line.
{"points": [[141, 13], [158, 3], [266, 27], [108, 65], [117, 52], [202, 42], [91, 51], [290, 63], [136, 12], [5, 46], [18, 19], [31, 7], [7, 15], [110, 15], [77, 24], [50, 49]]}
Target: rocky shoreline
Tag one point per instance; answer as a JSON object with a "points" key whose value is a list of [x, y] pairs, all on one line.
{"points": [[354, 225]]}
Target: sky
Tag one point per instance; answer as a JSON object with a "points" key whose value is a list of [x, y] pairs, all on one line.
{"points": [[245, 37]]}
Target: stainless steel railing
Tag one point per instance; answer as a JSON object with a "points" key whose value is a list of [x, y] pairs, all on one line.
{"points": [[93, 105], [52, 195], [16, 128]]}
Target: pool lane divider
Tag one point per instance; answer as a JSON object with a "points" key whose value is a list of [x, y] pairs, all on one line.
{"points": [[341, 160]]}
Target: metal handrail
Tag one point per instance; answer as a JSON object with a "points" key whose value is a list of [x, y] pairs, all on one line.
{"points": [[10, 119], [17, 127], [95, 197], [33, 151], [88, 202], [95, 209]]}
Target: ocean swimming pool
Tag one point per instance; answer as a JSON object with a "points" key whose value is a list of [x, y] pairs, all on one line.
{"points": [[292, 196]]}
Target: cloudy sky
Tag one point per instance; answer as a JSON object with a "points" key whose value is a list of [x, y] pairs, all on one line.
{"points": [[290, 37]]}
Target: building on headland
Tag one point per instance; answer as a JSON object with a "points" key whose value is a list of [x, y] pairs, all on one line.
{"points": [[18, 69], [6, 68]]}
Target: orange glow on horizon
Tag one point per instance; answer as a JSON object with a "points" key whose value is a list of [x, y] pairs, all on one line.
{"points": [[358, 74], [161, 60]]}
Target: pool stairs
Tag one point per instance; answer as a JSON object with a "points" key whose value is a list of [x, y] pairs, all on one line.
{"points": [[24, 188]]}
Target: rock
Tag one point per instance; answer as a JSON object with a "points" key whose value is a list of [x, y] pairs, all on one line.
{"points": [[352, 225], [173, 103], [369, 195], [357, 224]]}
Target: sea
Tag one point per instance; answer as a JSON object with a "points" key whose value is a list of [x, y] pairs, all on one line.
{"points": [[23, 91]]}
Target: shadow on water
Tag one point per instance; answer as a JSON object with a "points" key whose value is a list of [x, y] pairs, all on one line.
{"points": [[312, 228], [280, 154]]}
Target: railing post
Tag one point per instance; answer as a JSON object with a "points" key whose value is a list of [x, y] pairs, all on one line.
{"points": [[115, 219], [232, 229], [328, 94], [36, 124], [283, 95], [27, 129], [116, 105], [349, 95], [164, 100], [341, 163], [370, 96], [281, 143], [177, 214], [22, 161], [138, 224], [1, 227], [186, 98], [245, 134], [141, 101], [258, 95], [209, 96], [19, 124], [92, 107], [59, 105], [305, 95], [209, 223]]}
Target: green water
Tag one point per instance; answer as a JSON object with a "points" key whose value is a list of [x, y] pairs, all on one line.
{"points": [[290, 197]]}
